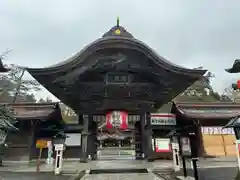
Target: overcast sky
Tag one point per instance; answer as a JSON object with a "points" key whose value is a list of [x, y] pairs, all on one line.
{"points": [[191, 33]]}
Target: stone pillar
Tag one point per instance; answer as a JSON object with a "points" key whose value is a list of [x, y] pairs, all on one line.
{"points": [[84, 144], [148, 140]]}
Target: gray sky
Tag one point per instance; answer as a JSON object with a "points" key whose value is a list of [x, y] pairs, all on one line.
{"points": [[189, 33]]}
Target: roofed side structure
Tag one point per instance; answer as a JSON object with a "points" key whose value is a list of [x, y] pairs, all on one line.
{"points": [[35, 111], [207, 110]]}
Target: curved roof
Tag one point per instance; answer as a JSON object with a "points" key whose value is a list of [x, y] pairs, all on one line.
{"points": [[116, 37], [208, 110], [235, 67]]}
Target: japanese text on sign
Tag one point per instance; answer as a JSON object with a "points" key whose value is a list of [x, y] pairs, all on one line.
{"points": [[163, 119], [217, 130], [156, 121]]}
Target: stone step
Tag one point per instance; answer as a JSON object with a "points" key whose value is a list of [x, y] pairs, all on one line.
{"points": [[117, 171]]}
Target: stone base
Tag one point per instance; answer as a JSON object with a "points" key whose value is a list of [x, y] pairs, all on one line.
{"points": [[83, 161], [94, 157]]}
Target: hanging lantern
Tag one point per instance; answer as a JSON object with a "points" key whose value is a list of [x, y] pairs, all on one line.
{"points": [[123, 120], [109, 124]]}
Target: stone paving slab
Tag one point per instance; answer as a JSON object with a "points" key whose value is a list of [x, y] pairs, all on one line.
{"points": [[31, 176], [148, 176], [221, 173]]}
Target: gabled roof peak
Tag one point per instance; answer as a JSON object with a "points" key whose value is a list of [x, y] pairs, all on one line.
{"points": [[118, 31]]}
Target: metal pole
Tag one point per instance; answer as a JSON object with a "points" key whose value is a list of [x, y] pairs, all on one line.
{"points": [[183, 158], [195, 171]]}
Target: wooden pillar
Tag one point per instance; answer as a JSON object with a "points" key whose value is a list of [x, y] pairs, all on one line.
{"points": [[148, 131], [93, 151], [84, 144], [32, 139], [143, 135], [138, 141]]}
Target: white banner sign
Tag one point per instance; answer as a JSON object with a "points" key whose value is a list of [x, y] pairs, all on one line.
{"points": [[163, 119], [59, 147], [74, 139], [217, 130], [161, 145]]}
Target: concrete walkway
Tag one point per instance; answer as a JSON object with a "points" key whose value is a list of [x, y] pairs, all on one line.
{"points": [[76, 166]]}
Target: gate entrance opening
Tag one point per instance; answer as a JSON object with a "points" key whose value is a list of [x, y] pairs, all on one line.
{"points": [[116, 72]]}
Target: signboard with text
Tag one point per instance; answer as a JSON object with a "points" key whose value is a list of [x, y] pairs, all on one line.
{"points": [[41, 143], [163, 119], [59, 147]]}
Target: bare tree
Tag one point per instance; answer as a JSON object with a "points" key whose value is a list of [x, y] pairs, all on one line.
{"points": [[232, 94], [21, 86]]}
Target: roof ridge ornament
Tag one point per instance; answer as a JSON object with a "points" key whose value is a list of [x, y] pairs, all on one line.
{"points": [[118, 31], [118, 21]]}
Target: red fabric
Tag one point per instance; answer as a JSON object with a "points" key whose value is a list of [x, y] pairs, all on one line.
{"points": [[238, 84], [124, 120], [108, 120]]}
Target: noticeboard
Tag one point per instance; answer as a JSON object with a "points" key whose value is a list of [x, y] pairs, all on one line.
{"points": [[185, 146], [41, 143]]}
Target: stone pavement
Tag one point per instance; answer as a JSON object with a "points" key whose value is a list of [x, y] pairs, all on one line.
{"points": [[209, 169], [31, 176], [148, 176]]}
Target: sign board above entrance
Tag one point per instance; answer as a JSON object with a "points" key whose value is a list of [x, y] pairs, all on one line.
{"points": [[163, 119]]}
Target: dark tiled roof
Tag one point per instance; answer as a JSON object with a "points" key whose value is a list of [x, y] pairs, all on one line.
{"points": [[235, 68], [208, 110], [40, 111]]}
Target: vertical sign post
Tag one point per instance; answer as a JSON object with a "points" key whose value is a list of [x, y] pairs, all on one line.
{"points": [[175, 150], [59, 156], [40, 144]]}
